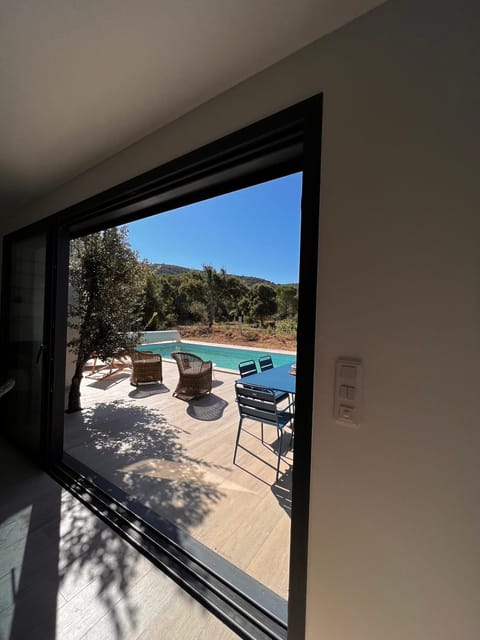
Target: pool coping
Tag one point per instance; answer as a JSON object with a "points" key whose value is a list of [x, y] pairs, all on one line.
{"points": [[218, 344]]}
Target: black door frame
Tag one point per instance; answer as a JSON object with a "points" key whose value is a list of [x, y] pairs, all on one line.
{"points": [[280, 144], [39, 456]]}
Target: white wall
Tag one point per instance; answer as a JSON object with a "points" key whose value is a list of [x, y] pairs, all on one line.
{"points": [[395, 512]]}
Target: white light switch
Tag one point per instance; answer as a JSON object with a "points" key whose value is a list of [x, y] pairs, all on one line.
{"points": [[346, 413], [348, 372], [348, 391]]}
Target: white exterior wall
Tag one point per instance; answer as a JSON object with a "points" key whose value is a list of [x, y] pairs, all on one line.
{"points": [[395, 511]]}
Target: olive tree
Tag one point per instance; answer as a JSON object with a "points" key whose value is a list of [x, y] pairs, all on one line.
{"points": [[107, 283]]}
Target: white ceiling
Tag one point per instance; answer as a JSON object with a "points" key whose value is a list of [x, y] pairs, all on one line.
{"points": [[82, 79]]}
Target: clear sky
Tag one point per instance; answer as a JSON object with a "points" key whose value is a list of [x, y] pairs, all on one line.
{"points": [[251, 232]]}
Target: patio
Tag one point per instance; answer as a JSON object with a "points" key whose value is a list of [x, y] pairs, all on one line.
{"points": [[176, 458]]}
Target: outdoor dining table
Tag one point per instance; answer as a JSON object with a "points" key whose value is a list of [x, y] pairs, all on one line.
{"points": [[278, 378]]}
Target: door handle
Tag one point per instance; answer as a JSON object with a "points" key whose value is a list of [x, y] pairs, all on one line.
{"points": [[40, 351]]}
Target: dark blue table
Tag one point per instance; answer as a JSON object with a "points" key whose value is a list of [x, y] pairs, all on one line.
{"points": [[277, 378]]}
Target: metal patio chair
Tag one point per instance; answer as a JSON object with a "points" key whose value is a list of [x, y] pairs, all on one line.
{"points": [[259, 404], [265, 363], [249, 367]]}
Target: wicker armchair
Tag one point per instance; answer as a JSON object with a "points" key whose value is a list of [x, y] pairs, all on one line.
{"points": [[195, 375], [146, 367]]}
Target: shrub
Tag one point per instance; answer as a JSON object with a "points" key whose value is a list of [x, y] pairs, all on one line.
{"points": [[250, 335], [288, 325]]}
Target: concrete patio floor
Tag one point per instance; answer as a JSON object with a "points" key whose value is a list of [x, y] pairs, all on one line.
{"points": [[176, 458]]}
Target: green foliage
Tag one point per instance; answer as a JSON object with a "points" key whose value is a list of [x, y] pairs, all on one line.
{"points": [[234, 291], [152, 304], [287, 325], [190, 297], [214, 288], [263, 301], [209, 296], [287, 300], [198, 312], [108, 298], [175, 270]]}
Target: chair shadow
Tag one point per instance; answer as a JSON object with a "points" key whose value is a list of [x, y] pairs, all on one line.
{"points": [[207, 408], [250, 473], [282, 490], [217, 383], [285, 442], [145, 391]]}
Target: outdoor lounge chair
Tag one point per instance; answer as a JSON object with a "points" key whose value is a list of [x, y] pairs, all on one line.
{"points": [[112, 365], [146, 367], [195, 375], [259, 404]]}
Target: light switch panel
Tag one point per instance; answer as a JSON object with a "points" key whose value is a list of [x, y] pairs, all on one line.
{"points": [[348, 391]]}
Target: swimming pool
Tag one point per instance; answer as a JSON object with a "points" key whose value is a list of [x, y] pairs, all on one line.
{"points": [[223, 357]]}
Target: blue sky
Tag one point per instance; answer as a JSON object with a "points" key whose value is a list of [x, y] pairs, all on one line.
{"points": [[252, 232]]}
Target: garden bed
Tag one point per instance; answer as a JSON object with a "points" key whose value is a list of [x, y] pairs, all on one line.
{"points": [[248, 336]]}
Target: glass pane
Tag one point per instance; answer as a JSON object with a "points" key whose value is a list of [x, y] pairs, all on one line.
{"points": [[153, 422], [25, 324]]}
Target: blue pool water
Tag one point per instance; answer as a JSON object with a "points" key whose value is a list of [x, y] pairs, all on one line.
{"points": [[223, 357]]}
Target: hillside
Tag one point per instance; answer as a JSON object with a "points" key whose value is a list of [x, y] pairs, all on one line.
{"points": [[176, 270]]}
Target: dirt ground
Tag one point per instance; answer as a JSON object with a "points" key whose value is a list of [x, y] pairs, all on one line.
{"points": [[248, 337]]}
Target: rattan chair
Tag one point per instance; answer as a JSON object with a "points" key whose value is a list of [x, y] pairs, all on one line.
{"points": [[146, 367], [195, 375]]}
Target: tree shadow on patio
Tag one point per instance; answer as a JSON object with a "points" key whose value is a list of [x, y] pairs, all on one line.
{"points": [[133, 447], [99, 567], [65, 569]]}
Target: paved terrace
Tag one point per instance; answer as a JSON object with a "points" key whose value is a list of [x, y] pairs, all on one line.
{"points": [[176, 458]]}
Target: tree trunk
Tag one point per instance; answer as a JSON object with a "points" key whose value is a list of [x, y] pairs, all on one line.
{"points": [[211, 314], [74, 393]]}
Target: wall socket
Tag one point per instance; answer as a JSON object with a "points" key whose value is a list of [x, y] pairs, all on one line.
{"points": [[348, 391]]}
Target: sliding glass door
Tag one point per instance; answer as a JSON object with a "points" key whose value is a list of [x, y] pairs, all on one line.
{"points": [[35, 301], [24, 339]]}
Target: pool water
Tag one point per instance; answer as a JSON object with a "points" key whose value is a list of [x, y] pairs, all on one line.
{"points": [[223, 357]]}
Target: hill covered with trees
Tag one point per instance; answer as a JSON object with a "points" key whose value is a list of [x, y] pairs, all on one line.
{"points": [[175, 270], [177, 295]]}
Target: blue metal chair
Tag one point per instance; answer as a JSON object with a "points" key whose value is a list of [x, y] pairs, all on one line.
{"points": [[259, 404], [265, 363], [249, 367]]}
